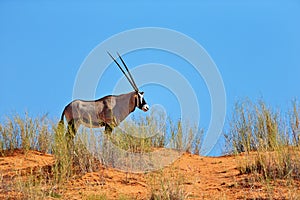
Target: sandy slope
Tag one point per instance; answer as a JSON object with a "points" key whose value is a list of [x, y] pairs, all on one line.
{"points": [[197, 177]]}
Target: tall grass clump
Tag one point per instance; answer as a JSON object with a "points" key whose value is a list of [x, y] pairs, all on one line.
{"points": [[26, 133], [63, 155], [75, 157], [265, 135], [295, 122], [184, 137], [254, 126]]}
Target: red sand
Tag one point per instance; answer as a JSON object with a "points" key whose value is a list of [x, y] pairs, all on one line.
{"points": [[198, 177]]}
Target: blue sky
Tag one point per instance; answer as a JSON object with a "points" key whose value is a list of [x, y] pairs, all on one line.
{"points": [[255, 45]]}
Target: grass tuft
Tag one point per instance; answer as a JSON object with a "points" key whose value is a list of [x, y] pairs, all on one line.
{"points": [[167, 185], [264, 134]]}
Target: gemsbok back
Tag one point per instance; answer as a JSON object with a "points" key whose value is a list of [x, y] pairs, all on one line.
{"points": [[108, 111]]}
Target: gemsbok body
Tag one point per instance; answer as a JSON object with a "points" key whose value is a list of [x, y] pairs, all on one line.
{"points": [[107, 112]]}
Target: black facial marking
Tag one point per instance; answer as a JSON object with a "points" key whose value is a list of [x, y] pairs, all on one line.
{"points": [[142, 102]]}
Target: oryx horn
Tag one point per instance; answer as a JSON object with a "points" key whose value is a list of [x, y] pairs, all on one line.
{"points": [[127, 70], [131, 81]]}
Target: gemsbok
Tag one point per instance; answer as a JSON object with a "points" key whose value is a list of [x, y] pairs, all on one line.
{"points": [[108, 111]]}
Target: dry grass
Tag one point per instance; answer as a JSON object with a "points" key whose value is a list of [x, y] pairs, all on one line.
{"points": [[269, 140], [87, 152], [167, 185]]}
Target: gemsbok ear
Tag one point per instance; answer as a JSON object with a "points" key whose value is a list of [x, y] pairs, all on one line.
{"points": [[142, 93]]}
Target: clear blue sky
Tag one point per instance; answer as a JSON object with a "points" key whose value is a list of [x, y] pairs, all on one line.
{"points": [[255, 45]]}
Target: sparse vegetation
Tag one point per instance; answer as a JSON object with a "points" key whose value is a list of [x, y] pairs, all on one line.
{"points": [[167, 185], [25, 133], [87, 151], [268, 139]]}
